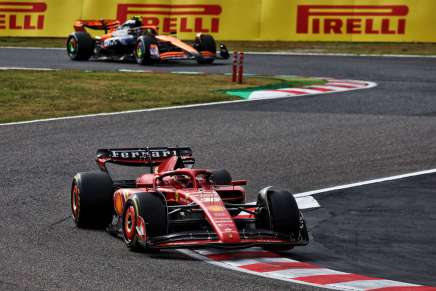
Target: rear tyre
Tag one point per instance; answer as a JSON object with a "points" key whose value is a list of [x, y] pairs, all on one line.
{"points": [[152, 209], [142, 49], [278, 211], [91, 200], [80, 46], [221, 177], [206, 46]]}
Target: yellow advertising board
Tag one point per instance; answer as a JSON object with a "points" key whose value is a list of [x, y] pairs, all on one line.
{"points": [[364, 20], [38, 18], [285, 20]]}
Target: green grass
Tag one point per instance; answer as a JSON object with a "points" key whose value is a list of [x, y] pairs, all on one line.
{"points": [[32, 42], [261, 46], [27, 95]]}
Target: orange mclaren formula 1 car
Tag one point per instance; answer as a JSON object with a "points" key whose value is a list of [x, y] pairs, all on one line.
{"points": [[171, 204], [132, 40]]}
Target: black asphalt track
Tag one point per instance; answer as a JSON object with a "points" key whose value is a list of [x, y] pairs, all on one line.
{"points": [[390, 224], [300, 144]]}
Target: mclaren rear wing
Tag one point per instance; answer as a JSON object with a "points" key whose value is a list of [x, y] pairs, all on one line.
{"points": [[102, 24], [143, 157]]}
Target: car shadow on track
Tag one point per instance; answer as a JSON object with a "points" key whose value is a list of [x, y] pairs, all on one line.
{"points": [[166, 255]]}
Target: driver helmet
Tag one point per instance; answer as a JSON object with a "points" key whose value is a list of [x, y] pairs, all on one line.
{"points": [[182, 181], [134, 22]]}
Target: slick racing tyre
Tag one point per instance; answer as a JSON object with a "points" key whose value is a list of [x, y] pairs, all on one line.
{"points": [[80, 46], [146, 212], [206, 46], [142, 49], [278, 211], [221, 177], [91, 200]]}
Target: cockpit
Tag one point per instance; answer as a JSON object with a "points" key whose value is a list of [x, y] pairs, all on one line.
{"points": [[131, 23], [185, 178]]}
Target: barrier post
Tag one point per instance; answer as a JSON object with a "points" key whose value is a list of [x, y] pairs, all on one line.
{"points": [[234, 69], [241, 68]]}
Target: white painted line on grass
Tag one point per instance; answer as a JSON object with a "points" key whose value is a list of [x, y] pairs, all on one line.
{"points": [[188, 73], [134, 71], [26, 69]]}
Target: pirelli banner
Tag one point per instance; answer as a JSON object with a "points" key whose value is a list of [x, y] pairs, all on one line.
{"points": [[285, 20]]}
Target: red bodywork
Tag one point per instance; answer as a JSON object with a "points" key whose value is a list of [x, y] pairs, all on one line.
{"points": [[211, 201]]}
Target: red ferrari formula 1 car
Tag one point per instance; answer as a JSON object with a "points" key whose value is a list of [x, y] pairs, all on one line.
{"points": [[133, 40], [175, 205]]}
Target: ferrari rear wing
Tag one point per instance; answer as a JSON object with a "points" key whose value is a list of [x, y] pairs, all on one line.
{"points": [[149, 157]]}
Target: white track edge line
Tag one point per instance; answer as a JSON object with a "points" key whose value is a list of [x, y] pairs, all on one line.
{"points": [[278, 53], [233, 268], [368, 182], [124, 112], [370, 85]]}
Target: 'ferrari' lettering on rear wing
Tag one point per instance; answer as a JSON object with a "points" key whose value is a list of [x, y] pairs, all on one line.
{"points": [[150, 153], [142, 156]]}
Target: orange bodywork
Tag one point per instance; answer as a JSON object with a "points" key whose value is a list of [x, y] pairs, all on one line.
{"points": [[111, 28], [177, 43], [172, 55], [206, 54], [104, 24]]}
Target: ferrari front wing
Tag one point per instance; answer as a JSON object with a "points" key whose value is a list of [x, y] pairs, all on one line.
{"points": [[200, 239]]}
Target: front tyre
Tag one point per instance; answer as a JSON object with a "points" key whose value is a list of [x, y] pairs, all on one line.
{"points": [[144, 216], [277, 211], [80, 46], [91, 200], [206, 46], [142, 49]]}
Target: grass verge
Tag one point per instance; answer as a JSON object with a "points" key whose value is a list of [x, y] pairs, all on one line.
{"points": [[57, 42], [262, 46], [27, 95]]}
